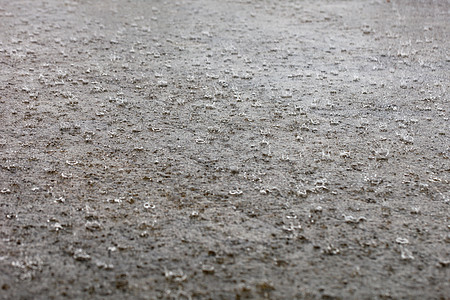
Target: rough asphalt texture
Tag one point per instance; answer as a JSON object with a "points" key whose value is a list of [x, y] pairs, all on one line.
{"points": [[224, 149]]}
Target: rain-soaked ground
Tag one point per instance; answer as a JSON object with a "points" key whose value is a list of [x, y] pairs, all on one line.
{"points": [[224, 149]]}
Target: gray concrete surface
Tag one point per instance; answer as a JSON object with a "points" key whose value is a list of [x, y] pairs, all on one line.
{"points": [[224, 149]]}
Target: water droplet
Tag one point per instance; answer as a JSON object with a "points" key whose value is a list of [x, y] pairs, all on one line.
{"points": [[103, 265], [406, 138], [415, 210], [286, 94], [208, 269], [56, 227], [5, 191], [116, 200], [381, 154], [352, 219], [162, 83], [81, 255], [148, 205], [406, 254], [93, 226], [400, 240], [235, 192], [200, 141], [177, 276], [317, 209], [60, 200], [292, 227], [66, 175], [331, 250]]}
